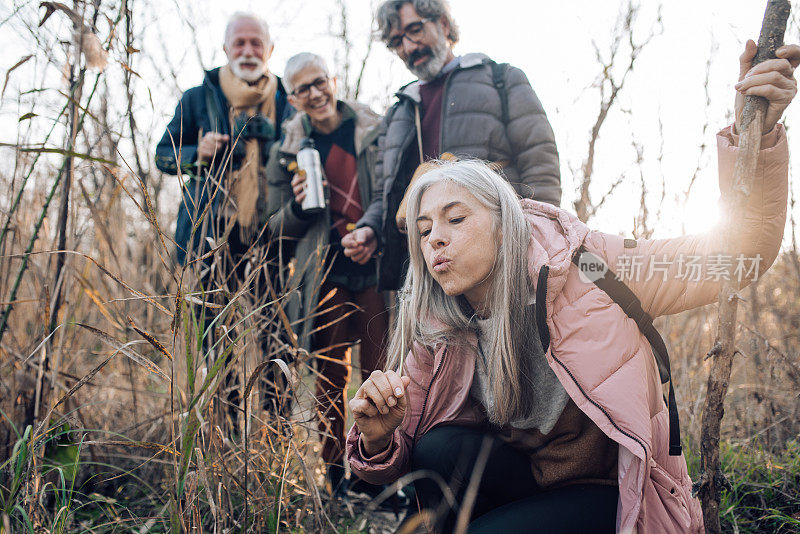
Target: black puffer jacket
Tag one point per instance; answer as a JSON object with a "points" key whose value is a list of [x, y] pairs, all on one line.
{"points": [[472, 126]]}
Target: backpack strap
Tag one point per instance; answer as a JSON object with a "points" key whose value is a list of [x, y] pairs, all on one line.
{"points": [[499, 71], [622, 295]]}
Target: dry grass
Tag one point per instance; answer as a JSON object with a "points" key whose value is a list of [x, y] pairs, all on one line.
{"points": [[117, 377], [115, 413], [121, 418]]}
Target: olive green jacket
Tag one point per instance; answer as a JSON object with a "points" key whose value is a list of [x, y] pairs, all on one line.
{"points": [[311, 233]]}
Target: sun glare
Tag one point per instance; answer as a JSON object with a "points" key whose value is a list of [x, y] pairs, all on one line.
{"points": [[700, 214]]}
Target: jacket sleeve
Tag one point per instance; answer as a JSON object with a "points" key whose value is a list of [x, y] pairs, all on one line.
{"points": [[376, 208], [384, 467], [179, 142], [373, 213], [532, 141], [673, 275], [285, 216]]}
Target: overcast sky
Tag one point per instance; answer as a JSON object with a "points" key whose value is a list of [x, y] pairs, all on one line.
{"points": [[662, 108]]}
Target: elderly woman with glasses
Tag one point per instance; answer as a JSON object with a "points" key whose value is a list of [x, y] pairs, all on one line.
{"points": [[332, 290], [523, 377]]}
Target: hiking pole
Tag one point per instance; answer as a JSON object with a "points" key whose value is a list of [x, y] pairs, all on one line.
{"points": [[711, 481]]}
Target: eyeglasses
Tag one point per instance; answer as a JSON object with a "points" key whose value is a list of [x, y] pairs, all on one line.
{"points": [[413, 33], [303, 91]]}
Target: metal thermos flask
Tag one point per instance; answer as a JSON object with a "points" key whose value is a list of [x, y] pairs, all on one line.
{"points": [[308, 161]]}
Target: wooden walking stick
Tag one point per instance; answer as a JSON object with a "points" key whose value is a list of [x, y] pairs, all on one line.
{"points": [[712, 480]]}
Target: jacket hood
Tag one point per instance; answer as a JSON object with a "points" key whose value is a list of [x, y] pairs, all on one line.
{"points": [[556, 236], [468, 61], [298, 127]]}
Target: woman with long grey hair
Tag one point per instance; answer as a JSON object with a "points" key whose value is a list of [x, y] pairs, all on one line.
{"points": [[525, 378]]}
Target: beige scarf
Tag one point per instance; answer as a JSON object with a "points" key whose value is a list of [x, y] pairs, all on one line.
{"points": [[251, 100]]}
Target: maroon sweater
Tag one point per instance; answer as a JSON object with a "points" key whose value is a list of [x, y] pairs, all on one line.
{"points": [[432, 97]]}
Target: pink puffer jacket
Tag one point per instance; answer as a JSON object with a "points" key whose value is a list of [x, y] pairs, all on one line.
{"points": [[597, 352]]}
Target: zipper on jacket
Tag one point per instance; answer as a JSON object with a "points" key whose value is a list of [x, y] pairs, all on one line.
{"points": [[444, 102], [596, 405], [543, 289], [425, 402], [399, 162]]}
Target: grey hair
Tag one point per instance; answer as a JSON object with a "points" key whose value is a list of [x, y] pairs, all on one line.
{"points": [[445, 319], [388, 16], [299, 62], [247, 15]]}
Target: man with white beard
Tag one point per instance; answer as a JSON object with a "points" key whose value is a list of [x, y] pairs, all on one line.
{"points": [[468, 106], [219, 139], [220, 136]]}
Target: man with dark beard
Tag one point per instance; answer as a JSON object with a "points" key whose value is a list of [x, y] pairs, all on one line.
{"points": [[468, 106]]}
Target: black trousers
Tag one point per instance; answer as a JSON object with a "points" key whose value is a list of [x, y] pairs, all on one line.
{"points": [[508, 499]]}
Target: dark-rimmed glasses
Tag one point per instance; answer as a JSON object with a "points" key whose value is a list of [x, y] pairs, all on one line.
{"points": [[302, 91], [413, 32]]}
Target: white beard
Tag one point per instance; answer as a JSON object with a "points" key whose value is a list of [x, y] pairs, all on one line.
{"points": [[245, 74]]}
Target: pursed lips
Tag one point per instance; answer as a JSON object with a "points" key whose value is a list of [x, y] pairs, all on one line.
{"points": [[441, 263]]}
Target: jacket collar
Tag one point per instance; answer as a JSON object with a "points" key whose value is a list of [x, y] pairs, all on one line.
{"points": [[467, 61], [299, 126], [212, 77]]}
